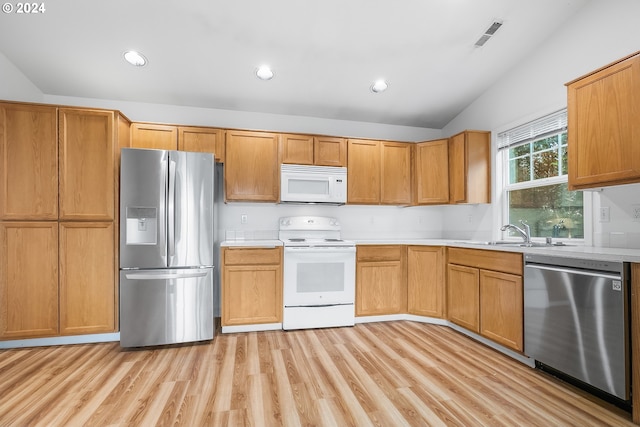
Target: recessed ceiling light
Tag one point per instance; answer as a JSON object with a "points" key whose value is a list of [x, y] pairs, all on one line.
{"points": [[379, 86], [264, 72], [135, 58]]}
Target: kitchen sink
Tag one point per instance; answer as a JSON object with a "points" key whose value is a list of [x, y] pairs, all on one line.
{"points": [[508, 243]]}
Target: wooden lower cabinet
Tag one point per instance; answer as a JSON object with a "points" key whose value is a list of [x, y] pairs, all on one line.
{"points": [[380, 280], [87, 278], [463, 296], [57, 279], [28, 279], [251, 286], [485, 296], [425, 281], [501, 308]]}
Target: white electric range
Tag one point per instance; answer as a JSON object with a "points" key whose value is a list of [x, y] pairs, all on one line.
{"points": [[319, 273]]}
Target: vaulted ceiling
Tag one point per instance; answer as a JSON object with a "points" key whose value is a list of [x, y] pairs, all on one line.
{"points": [[325, 54]]}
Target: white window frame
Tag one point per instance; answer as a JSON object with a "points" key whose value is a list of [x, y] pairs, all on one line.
{"points": [[502, 186]]}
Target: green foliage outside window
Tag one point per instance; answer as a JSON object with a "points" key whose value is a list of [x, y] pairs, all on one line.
{"points": [[550, 209]]}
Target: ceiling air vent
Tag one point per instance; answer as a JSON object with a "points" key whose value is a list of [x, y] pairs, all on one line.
{"points": [[488, 33]]}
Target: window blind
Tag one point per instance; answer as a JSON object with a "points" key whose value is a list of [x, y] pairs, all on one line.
{"points": [[541, 128]]}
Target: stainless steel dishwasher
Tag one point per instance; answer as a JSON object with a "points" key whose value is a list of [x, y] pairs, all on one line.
{"points": [[576, 320]]}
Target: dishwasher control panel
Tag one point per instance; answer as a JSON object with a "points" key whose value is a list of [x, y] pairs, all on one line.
{"points": [[583, 264]]}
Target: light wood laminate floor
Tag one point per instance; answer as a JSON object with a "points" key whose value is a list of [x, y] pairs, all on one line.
{"points": [[381, 374]]}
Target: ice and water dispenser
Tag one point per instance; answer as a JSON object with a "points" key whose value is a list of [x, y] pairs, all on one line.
{"points": [[142, 225]]}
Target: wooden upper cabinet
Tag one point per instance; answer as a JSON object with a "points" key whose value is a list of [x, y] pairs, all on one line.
{"points": [[604, 127], [28, 279], [470, 167], [87, 164], [202, 139], [378, 172], [149, 135], [329, 151], [184, 138], [363, 172], [313, 150], [395, 173], [431, 184], [29, 162], [252, 170], [297, 149], [87, 278]]}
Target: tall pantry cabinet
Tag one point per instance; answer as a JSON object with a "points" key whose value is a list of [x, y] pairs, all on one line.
{"points": [[58, 220]]}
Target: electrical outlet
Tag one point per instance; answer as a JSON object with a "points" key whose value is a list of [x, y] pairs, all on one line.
{"points": [[604, 214], [635, 213], [244, 218]]}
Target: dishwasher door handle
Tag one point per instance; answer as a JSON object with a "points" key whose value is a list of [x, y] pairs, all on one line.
{"points": [[578, 271]]}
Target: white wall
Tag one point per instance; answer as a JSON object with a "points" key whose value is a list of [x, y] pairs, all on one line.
{"points": [[143, 112], [602, 32], [623, 229], [358, 222], [14, 86]]}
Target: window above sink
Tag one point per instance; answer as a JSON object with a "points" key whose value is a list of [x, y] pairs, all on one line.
{"points": [[534, 179]]}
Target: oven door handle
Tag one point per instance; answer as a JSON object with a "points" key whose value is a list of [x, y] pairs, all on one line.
{"points": [[321, 249]]}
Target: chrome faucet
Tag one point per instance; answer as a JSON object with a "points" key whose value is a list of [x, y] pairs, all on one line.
{"points": [[526, 233]]}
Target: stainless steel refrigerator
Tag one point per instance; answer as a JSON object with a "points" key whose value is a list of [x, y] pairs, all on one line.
{"points": [[166, 247]]}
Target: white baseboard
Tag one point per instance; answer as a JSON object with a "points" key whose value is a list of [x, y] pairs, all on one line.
{"points": [[72, 339], [251, 328]]}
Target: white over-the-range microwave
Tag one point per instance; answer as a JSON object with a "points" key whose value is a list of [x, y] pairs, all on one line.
{"points": [[313, 184]]}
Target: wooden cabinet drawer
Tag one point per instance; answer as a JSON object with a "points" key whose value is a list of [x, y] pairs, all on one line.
{"points": [[508, 262], [252, 256], [379, 253]]}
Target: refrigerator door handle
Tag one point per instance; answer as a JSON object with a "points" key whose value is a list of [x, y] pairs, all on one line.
{"points": [[166, 275], [171, 213]]}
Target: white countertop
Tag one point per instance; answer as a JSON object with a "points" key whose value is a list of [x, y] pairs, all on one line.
{"points": [[568, 251], [262, 243], [582, 252]]}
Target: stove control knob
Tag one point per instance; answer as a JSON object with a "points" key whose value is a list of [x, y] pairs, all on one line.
{"points": [[285, 222], [333, 222]]}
